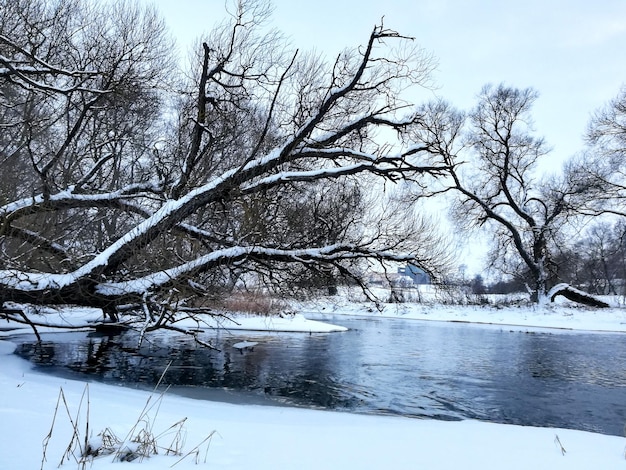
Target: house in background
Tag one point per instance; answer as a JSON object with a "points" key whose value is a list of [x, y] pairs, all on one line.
{"points": [[417, 274], [406, 276]]}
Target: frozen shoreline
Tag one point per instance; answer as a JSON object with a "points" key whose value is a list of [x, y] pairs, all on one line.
{"points": [[559, 316]]}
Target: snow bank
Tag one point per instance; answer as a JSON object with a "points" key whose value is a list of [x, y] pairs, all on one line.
{"points": [[260, 437], [85, 318], [558, 316], [274, 323], [51, 319], [267, 438]]}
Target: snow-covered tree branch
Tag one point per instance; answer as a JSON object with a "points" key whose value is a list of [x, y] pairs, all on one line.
{"points": [[129, 182]]}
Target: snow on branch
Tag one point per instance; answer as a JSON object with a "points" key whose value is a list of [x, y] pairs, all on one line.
{"points": [[70, 198], [26, 76], [328, 254], [575, 295]]}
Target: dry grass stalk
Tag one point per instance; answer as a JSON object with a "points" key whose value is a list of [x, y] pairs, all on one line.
{"points": [[140, 442], [253, 303], [557, 441]]}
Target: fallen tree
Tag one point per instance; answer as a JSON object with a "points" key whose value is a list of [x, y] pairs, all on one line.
{"points": [[576, 295], [259, 168]]}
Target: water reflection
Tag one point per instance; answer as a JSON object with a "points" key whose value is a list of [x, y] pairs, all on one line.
{"points": [[412, 368]]}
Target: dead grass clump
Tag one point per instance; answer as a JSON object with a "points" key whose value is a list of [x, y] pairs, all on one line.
{"points": [[139, 443], [254, 303]]}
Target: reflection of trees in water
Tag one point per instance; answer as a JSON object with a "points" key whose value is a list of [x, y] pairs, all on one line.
{"points": [[42, 352], [299, 370], [100, 356]]}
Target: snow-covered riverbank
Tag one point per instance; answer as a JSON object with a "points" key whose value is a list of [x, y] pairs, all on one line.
{"points": [[249, 436], [562, 315]]}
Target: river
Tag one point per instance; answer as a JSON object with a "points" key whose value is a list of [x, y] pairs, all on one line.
{"points": [[381, 366]]}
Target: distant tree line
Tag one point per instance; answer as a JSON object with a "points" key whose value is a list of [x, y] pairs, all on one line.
{"points": [[595, 263]]}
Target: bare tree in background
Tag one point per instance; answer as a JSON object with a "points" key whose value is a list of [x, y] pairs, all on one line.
{"points": [[608, 127], [493, 155], [604, 161], [135, 187]]}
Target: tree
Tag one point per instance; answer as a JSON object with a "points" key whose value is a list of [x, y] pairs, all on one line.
{"points": [[607, 129], [256, 169], [604, 162], [477, 285], [78, 102], [492, 156], [597, 262]]}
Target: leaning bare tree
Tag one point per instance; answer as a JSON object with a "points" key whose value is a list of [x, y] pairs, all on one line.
{"points": [[492, 156], [131, 188]]}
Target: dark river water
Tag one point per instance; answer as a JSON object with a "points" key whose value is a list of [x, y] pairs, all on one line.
{"points": [[382, 366]]}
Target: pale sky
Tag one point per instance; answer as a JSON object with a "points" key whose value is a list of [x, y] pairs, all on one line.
{"points": [[572, 51]]}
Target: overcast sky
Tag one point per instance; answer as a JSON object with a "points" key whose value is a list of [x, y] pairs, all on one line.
{"points": [[572, 51]]}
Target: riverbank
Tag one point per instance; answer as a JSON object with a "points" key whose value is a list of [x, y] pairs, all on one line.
{"points": [[52, 320], [263, 438], [562, 315]]}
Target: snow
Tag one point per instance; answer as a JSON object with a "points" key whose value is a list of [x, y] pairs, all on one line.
{"points": [[296, 323], [159, 278], [232, 436], [51, 319], [82, 317], [32, 281], [245, 344], [309, 175], [68, 194]]}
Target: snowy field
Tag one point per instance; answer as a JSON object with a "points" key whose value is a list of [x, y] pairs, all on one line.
{"points": [[226, 436]]}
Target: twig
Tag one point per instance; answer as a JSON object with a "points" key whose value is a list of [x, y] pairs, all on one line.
{"points": [[557, 441], [162, 375], [75, 422], [195, 450]]}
